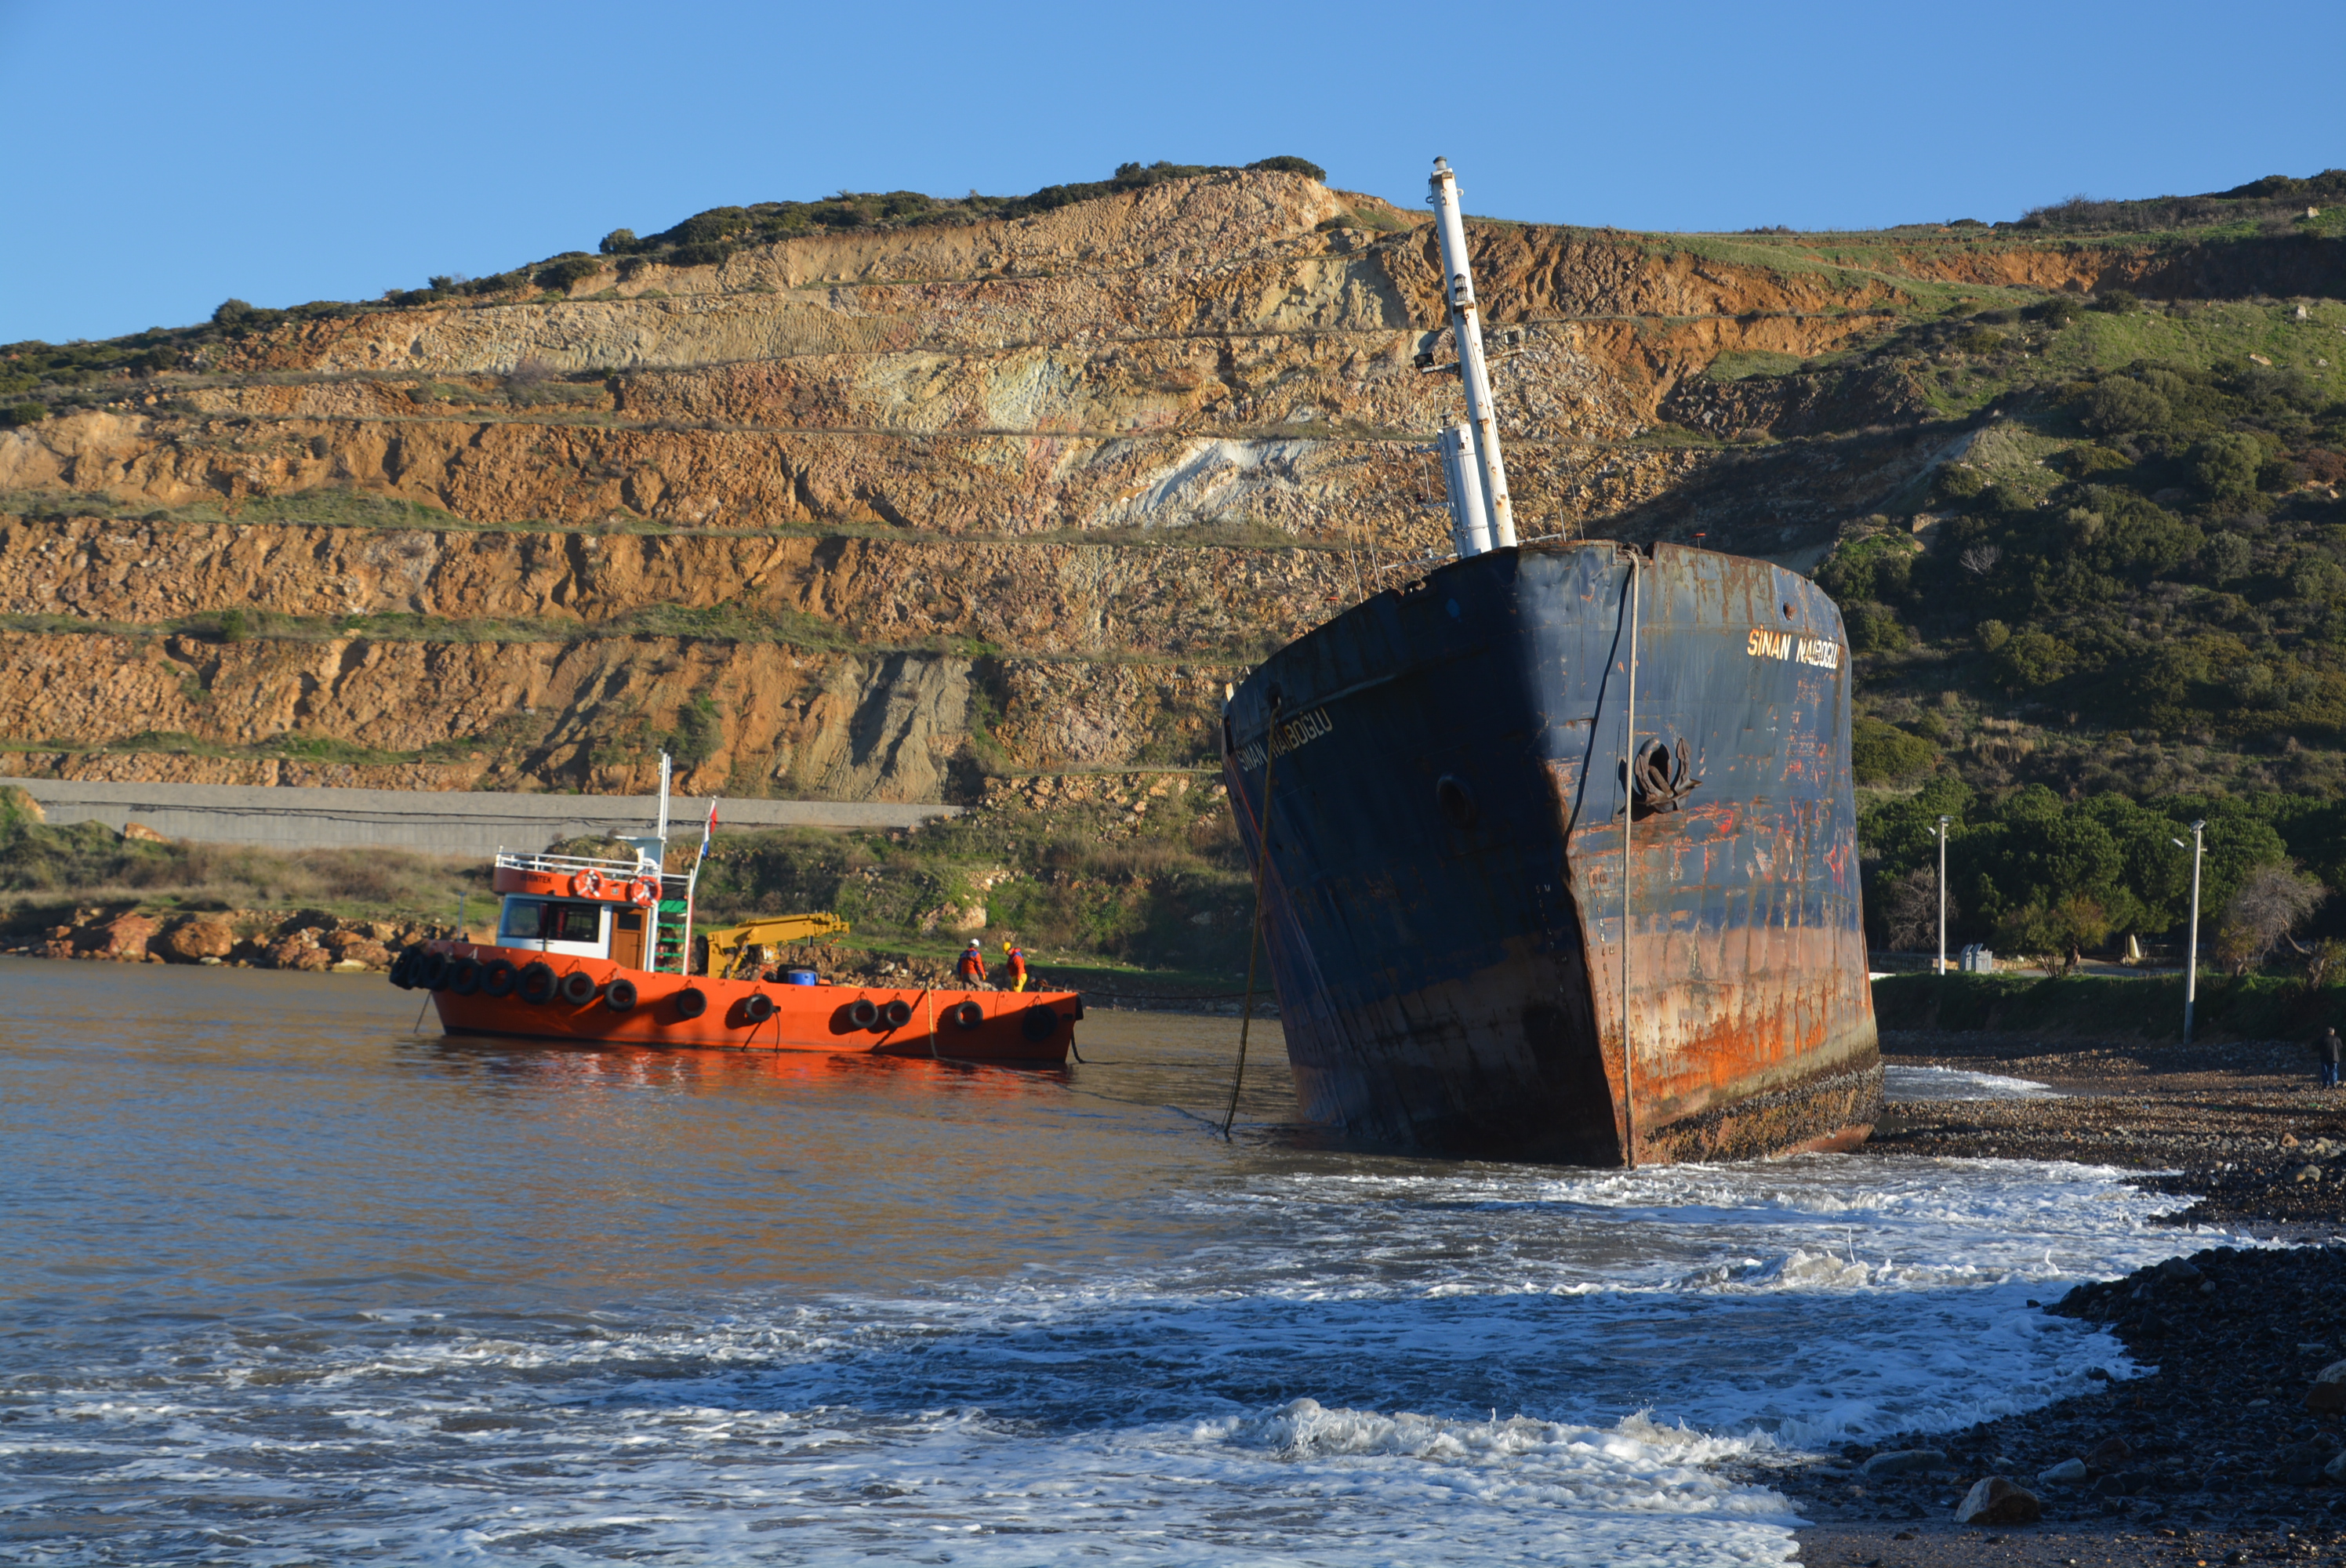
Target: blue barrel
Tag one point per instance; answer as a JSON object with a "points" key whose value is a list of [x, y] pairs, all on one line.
{"points": [[800, 977]]}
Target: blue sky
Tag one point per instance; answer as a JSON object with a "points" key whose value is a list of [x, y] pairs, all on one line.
{"points": [[164, 157]]}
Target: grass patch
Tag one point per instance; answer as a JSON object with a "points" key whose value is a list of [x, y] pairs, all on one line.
{"points": [[1743, 364], [1077, 884], [44, 868]]}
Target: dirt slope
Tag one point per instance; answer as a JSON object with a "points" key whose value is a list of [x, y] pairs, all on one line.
{"points": [[868, 515]]}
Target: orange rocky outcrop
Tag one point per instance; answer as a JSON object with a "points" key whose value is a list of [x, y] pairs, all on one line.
{"points": [[859, 515]]}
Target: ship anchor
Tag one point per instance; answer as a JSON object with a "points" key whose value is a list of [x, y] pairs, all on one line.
{"points": [[1662, 780]]}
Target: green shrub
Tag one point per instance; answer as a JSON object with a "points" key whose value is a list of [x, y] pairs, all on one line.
{"points": [[1287, 163], [2121, 403], [2226, 557], [2317, 579], [2116, 302], [232, 626], [1980, 341], [1882, 754], [617, 242], [1875, 629], [1960, 483], [2227, 464], [699, 733], [24, 413], [2031, 659], [567, 272], [2059, 311], [2085, 462]]}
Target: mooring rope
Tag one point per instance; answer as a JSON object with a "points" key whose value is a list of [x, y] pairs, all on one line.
{"points": [[1254, 938]]}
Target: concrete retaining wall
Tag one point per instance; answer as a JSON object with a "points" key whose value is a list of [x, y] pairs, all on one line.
{"points": [[452, 823]]}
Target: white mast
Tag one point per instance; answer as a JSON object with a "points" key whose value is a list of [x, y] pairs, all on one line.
{"points": [[665, 765], [1470, 526], [1483, 424]]}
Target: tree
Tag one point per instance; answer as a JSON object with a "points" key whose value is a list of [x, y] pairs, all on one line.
{"points": [[2323, 961], [2271, 902], [2055, 934], [1910, 911]]}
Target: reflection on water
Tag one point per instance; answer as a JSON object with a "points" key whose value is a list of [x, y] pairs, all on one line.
{"points": [[329, 1142], [288, 1280]]}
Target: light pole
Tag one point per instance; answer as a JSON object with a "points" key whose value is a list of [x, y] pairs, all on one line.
{"points": [[1943, 893], [2191, 944]]}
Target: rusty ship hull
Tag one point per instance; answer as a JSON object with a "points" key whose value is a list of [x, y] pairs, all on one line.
{"points": [[1444, 913]]}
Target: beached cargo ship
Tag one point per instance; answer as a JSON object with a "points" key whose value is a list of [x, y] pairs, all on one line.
{"points": [[1558, 844]]}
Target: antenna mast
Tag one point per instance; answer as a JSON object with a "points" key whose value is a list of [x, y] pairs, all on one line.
{"points": [[1494, 515]]}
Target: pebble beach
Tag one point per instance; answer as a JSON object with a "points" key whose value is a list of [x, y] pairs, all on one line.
{"points": [[2227, 1450]]}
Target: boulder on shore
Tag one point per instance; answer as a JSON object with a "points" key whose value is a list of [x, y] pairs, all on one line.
{"points": [[2328, 1395], [198, 937], [1998, 1500], [122, 939]]}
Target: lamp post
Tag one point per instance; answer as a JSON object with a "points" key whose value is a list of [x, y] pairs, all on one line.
{"points": [[2191, 942], [1943, 893]]}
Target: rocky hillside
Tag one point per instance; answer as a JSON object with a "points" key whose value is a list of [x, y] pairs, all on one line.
{"points": [[874, 506]]}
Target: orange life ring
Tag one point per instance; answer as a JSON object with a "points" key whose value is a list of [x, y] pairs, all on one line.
{"points": [[641, 891], [587, 884]]}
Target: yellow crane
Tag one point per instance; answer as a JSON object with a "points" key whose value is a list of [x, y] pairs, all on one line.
{"points": [[726, 942]]}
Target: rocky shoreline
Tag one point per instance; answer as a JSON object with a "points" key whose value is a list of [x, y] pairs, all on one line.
{"points": [[315, 942], [307, 939], [2214, 1455]]}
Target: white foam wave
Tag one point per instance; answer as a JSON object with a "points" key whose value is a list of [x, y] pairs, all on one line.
{"points": [[1905, 1083]]}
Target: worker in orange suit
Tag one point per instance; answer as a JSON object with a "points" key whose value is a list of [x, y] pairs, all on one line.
{"points": [[1014, 964], [972, 967]]}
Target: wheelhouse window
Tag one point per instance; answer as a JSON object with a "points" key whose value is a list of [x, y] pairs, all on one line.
{"points": [[546, 920]]}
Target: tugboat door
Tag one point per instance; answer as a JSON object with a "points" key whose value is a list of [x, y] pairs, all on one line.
{"points": [[627, 938]]}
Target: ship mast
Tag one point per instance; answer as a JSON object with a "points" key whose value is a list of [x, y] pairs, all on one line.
{"points": [[1481, 518]]}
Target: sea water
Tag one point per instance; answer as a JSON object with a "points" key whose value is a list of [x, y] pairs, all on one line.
{"points": [[286, 1278]]}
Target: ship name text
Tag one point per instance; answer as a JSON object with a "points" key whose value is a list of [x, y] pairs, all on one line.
{"points": [[1823, 652], [1295, 732]]}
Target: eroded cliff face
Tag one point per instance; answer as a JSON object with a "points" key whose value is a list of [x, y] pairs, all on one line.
{"points": [[864, 516]]}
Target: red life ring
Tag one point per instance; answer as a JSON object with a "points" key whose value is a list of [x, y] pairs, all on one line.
{"points": [[587, 884], [641, 891]]}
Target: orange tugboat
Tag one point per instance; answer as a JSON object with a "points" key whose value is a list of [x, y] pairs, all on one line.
{"points": [[599, 951]]}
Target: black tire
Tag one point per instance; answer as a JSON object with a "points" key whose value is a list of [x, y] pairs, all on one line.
{"points": [[862, 1014], [464, 976], [400, 967], [691, 1004], [535, 982], [897, 1013], [578, 988], [756, 1007], [430, 969], [1039, 1022], [620, 996], [497, 977], [969, 1015]]}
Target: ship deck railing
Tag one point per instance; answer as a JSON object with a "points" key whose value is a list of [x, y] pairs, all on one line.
{"points": [[571, 865]]}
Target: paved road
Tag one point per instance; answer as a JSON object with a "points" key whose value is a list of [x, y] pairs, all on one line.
{"points": [[437, 823]]}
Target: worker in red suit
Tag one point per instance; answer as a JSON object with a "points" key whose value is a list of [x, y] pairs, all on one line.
{"points": [[1014, 966], [972, 967]]}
